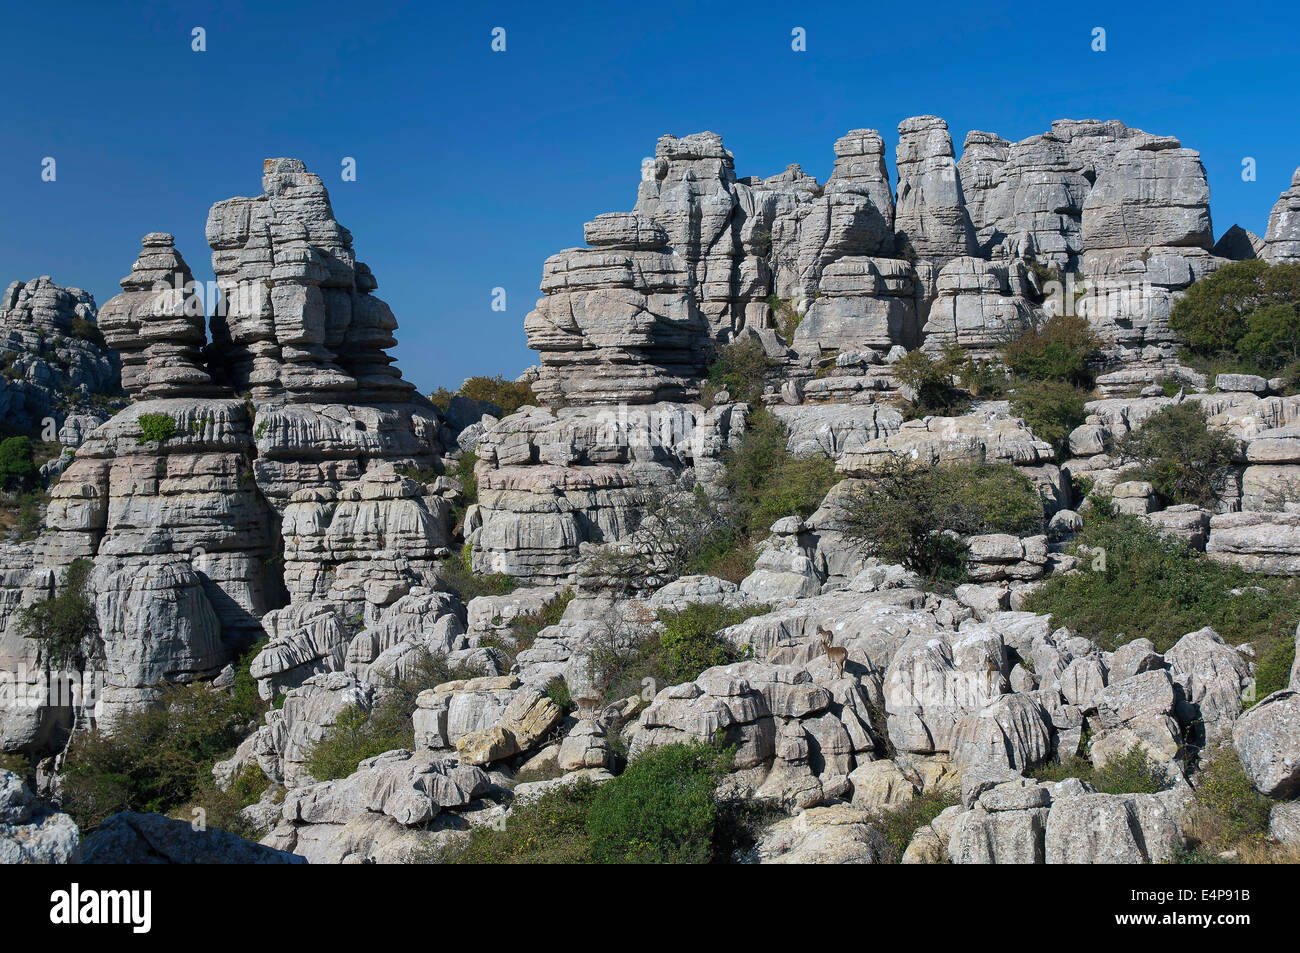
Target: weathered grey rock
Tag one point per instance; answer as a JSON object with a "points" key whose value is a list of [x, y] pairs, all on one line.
{"points": [[1214, 675], [156, 324], [930, 214], [30, 832], [1266, 543], [1114, 828], [1284, 823], [1282, 240], [49, 362], [133, 838], [979, 304], [1153, 193], [838, 834], [1267, 739]]}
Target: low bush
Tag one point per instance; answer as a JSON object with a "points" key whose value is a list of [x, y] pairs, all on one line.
{"points": [[65, 625], [914, 515], [18, 470], [1062, 348], [549, 830], [690, 644], [1182, 458], [898, 824], [1133, 772], [523, 630], [765, 482], [85, 330], [458, 577], [1136, 582], [741, 368], [1227, 813], [930, 380], [662, 809], [156, 428], [1052, 409], [155, 760], [357, 735], [685, 532], [786, 317], [506, 394]]}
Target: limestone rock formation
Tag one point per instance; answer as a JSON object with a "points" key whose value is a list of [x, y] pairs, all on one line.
{"points": [[931, 214], [51, 356], [30, 832], [254, 471], [1282, 240]]}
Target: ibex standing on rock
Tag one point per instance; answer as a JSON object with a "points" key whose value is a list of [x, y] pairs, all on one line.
{"points": [[836, 653]]}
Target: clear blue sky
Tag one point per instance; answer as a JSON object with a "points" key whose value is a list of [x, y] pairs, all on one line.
{"points": [[473, 166]]}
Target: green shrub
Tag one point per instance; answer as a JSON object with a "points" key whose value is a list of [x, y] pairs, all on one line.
{"points": [[930, 380], [908, 513], [688, 533], [357, 735], [688, 645], [1133, 772], [764, 482], [1139, 583], [1272, 340], [156, 428], [1227, 812], [741, 369], [65, 625], [523, 629], [690, 642], [85, 330], [1062, 348], [1051, 409], [458, 577], [155, 760], [986, 379], [506, 394], [786, 317], [898, 824], [1273, 663], [1179, 455], [18, 470], [1214, 317], [662, 809], [551, 829]]}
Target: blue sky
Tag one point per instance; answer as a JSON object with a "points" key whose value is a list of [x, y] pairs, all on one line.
{"points": [[473, 166]]}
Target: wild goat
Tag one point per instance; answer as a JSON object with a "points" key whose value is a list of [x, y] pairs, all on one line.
{"points": [[836, 653]]}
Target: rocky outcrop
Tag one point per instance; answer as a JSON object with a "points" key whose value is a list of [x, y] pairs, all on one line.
{"points": [[550, 484], [30, 832], [53, 361], [1282, 240], [132, 838], [253, 471], [931, 214]]}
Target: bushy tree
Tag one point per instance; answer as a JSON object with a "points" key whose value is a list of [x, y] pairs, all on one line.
{"points": [[1051, 408], [661, 810], [1179, 454], [1273, 337], [507, 394], [64, 625], [18, 470], [929, 378], [915, 516], [1061, 348], [741, 369], [1215, 315]]}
